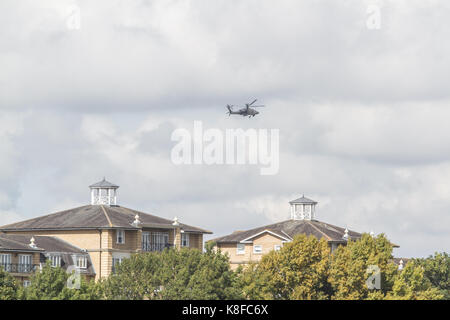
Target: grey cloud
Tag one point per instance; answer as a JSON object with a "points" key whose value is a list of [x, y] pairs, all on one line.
{"points": [[198, 50], [362, 113], [157, 141]]}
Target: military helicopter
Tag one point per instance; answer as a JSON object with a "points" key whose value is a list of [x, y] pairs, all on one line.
{"points": [[246, 111]]}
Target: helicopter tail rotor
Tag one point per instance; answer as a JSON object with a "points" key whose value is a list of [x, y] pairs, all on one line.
{"points": [[229, 109]]}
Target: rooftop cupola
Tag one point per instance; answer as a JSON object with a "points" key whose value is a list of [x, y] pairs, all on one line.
{"points": [[303, 209], [104, 192]]}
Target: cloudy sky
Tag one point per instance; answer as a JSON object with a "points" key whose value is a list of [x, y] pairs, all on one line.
{"points": [[363, 112]]}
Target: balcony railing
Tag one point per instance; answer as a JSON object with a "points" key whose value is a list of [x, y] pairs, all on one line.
{"points": [[18, 267], [146, 247], [155, 246]]}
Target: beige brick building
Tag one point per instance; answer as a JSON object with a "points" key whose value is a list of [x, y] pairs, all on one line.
{"points": [[21, 255], [248, 246], [107, 232]]}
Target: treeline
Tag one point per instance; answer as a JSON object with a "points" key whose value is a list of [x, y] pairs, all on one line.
{"points": [[302, 269]]}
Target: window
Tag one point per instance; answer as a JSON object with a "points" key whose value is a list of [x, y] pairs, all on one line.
{"points": [[257, 249], [333, 247], [120, 236], [155, 241], [55, 260], [307, 211], [5, 261], [277, 247], [24, 263], [81, 262], [26, 283], [240, 248], [145, 241], [185, 240], [116, 262]]}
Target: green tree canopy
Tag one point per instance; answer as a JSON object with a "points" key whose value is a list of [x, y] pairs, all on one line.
{"points": [[303, 269], [50, 283], [412, 284], [350, 264], [298, 271], [437, 270], [174, 274], [8, 286]]}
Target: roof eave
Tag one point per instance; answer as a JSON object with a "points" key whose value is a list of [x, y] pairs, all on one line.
{"points": [[199, 231], [68, 228], [22, 250], [223, 241]]}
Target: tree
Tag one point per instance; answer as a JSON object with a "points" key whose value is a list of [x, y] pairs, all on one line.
{"points": [[47, 284], [213, 278], [412, 284], [50, 283], [8, 286], [437, 270], [350, 264], [89, 290], [134, 278], [174, 274], [254, 282], [298, 271]]}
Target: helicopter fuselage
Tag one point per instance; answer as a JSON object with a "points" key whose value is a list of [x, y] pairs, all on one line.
{"points": [[246, 112]]}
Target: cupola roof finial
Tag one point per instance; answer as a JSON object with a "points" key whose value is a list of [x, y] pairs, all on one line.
{"points": [[136, 221], [345, 236], [32, 242]]}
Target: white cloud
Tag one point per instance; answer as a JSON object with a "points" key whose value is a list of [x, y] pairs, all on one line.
{"points": [[7, 217], [362, 113]]}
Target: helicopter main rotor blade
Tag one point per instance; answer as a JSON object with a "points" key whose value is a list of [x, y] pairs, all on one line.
{"points": [[258, 106], [253, 102]]}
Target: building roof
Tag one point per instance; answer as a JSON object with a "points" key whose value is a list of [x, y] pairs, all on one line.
{"points": [[16, 243], [303, 200], [42, 243], [104, 184], [291, 228], [95, 217], [46, 245], [397, 261]]}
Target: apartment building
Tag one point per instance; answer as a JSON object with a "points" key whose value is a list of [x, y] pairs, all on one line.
{"points": [[21, 255], [248, 246], [108, 232]]}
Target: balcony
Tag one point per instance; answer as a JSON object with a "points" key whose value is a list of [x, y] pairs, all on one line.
{"points": [[149, 247], [18, 267]]}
